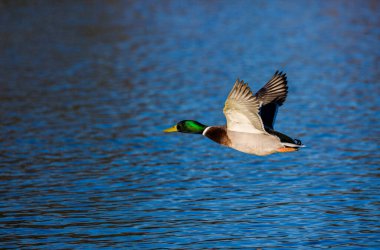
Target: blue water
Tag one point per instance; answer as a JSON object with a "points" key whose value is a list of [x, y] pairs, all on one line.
{"points": [[86, 89]]}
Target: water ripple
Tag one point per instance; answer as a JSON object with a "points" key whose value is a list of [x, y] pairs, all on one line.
{"points": [[86, 91]]}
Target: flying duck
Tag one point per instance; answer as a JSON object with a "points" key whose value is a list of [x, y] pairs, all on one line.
{"points": [[250, 120]]}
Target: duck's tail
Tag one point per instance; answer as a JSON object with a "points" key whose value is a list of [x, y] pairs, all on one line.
{"points": [[291, 146], [296, 144]]}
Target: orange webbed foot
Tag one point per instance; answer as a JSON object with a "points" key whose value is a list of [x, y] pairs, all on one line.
{"points": [[286, 150]]}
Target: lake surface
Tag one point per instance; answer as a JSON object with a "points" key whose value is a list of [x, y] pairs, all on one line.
{"points": [[87, 88]]}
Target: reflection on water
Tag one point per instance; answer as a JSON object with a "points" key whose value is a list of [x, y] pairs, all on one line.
{"points": [[86, 90]]}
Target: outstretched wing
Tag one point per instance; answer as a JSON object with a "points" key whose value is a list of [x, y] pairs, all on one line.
{"points": [[242, 110], [271, 96]]}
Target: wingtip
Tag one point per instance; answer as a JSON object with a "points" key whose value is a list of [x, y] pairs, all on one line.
{"points": [[280, 73]]}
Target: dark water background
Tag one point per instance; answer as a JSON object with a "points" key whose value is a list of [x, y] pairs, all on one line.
{"points": [[87, 87]]}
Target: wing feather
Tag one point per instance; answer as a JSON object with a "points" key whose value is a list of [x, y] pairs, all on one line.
{"points": [[274, 91], [271, 96], [242, 110]]}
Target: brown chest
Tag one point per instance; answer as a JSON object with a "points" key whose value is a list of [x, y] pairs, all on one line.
{"points": [[218, 135]]}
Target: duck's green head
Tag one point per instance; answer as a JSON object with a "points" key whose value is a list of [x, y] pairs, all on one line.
{"points": [[187, 126]]}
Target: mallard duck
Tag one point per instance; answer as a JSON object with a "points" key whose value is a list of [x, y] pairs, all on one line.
{"points": [[250, 119]]}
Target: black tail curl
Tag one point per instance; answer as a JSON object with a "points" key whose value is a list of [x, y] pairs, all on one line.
{"points": [[297, 142]]}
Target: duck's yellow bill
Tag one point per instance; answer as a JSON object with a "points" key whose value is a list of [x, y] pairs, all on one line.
{"points": [[172, 129]]}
